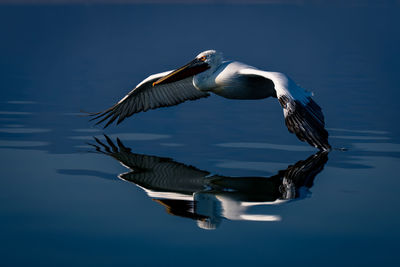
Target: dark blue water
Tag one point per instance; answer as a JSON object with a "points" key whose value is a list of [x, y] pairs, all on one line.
{"points": [[227, 166]]}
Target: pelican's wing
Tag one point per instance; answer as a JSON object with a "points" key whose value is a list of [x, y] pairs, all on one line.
{"points": [[152, 172], [146, 96], [303, 116]]}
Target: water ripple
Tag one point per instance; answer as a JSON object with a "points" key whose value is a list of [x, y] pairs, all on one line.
{"points": [[172, 144], [357, 131], [377, 147], [23, 130], [87, 130], [21, 102], [6, 143], [266, 146], [14, 113], [359, 137], [126, 136]]}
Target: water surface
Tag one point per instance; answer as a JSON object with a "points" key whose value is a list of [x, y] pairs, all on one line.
{"points": [[63, 201]]}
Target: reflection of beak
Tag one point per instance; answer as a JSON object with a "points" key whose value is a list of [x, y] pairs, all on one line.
{"points": [[192, 68]]}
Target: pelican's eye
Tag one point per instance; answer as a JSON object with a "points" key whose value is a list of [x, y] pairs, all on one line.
{"points": [[203, 58]]}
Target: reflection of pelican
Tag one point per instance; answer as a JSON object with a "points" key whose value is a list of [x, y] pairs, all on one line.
{"points": [[189, 192], [209, 73]]}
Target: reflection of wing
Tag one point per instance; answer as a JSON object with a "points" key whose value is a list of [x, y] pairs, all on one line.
{"points": [[155, 173], [304, 171], [283, 185], [303, 116], [146, 96], [302, 174]]}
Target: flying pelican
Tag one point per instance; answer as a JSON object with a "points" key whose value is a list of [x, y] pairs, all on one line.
{"points": [[208, 72]]}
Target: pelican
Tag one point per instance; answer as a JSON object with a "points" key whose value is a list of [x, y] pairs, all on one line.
{"points": [[208, 72]]}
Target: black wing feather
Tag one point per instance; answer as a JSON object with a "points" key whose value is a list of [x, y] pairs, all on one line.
{"points": [[146, 96], [306, 121]]}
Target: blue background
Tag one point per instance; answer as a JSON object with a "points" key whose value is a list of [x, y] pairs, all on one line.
{"points": [[62, 205]]}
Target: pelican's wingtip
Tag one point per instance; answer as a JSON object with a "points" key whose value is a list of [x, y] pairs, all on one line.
{"points": [[324, 148]]}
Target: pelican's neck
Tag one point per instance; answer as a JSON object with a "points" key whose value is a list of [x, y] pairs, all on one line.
{"points": [[205, 81]]}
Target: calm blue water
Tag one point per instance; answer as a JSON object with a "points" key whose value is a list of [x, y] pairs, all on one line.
{"points": [[62, 202]]}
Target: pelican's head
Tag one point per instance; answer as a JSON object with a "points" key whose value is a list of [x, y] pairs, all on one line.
{"points": [[207, 60], [211, 57]]}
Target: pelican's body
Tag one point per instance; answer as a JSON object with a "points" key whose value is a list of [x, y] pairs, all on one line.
{"points": [[208, 72], [228, 81]]}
